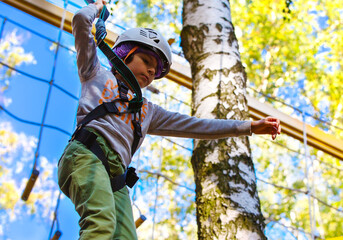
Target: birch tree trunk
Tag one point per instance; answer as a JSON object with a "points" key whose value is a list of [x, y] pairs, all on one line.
{"points": [[228, 206]]}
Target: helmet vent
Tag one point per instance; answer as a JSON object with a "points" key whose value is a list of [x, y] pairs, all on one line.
{"points": [[157, 41], [143, 33]]}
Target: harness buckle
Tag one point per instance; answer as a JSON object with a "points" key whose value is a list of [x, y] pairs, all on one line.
{"points": [[135, 105], [131, 177], [128, 178], [137, 128], [111, 108]]}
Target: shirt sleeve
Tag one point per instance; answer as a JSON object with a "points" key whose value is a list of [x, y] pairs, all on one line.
{"points": [[166, 123], [87, 60]]}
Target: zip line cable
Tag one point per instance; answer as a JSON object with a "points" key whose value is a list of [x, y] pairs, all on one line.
{"points": [[299, 153], [290, 227], [295, 108], [172, 97], [300, 191], [178, 144], [157, 91], [159, 174]]}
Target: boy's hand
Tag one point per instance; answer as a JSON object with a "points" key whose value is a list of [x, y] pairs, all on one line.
{"points": [[269, 125], [99, 5]]}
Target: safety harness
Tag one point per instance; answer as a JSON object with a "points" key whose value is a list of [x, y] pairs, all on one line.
{"points": [[88, 138]]}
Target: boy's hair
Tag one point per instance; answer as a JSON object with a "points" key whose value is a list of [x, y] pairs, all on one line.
{"points": [[126, 51]]}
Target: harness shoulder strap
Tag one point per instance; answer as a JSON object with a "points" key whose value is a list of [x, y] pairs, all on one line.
{"points": [[100, 111]]}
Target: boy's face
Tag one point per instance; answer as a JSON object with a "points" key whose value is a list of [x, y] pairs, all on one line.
{"points": [[143, 66]]}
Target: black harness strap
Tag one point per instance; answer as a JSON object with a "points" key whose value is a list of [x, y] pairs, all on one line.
{"points": [[110, 107], [89, 140], [128, 178], [99, 111]]}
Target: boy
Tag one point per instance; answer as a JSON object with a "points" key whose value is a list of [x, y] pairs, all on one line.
{"points": [[102, 150]]}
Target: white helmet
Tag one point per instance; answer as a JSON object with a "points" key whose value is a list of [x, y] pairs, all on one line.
{"points": [[151, 39]]}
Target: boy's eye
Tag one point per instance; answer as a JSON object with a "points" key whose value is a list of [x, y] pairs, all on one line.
{"points": [[148, 62]]}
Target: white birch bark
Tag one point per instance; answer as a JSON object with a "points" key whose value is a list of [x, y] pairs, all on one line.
{"points": [[228, 206]]}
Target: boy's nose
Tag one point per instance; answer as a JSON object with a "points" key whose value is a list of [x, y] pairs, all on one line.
{"points": [[151, 71]]}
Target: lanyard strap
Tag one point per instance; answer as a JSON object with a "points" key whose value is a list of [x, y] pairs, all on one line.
{"points": [[129, 78]]}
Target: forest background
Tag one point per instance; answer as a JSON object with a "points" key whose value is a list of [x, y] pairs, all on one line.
{"points": [[292, 53]]}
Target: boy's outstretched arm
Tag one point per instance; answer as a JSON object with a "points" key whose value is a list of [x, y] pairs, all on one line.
{"points": [[268, 125]]}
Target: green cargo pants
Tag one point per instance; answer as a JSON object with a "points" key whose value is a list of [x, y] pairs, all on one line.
{"points": [[104, 215]]}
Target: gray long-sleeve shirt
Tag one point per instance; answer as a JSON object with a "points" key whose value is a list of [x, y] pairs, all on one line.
{"points": [[99, 85]]}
